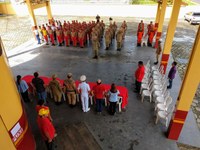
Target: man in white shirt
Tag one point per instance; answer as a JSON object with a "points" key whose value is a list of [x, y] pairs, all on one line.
{"points": [[84, 90]]}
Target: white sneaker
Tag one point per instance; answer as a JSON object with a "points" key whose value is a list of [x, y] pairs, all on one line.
{"points": [[88, 109]]}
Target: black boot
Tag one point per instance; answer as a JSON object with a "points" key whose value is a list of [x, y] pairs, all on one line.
{"points": [[155, 63]]}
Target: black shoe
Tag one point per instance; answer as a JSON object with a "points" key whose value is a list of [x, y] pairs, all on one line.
{"points": [[155, 63], [119, 49], [136, 91], [106, 48], [53, 44], [95, 57], [168, 87]]}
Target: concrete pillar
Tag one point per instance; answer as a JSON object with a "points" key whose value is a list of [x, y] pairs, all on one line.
{"points": [[187, 92], [48, 7], [157, 15], [31, 13], [161, 21], [170, 33]]}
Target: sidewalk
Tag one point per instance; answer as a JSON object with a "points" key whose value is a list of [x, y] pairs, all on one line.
{"points": [[142, 11]]}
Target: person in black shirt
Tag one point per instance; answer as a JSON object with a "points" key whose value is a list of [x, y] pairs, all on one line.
{"points": [[38, 85]]}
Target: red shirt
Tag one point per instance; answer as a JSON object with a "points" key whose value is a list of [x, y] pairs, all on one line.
{"points": [[139, 73], [45, 126], [99, 91]]}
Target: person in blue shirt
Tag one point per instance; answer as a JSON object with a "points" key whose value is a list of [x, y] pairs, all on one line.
{"points": [[113, 98], [22, 88]]}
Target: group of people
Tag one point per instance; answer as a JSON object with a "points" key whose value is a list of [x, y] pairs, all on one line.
{"points": [[44, 119], [140, 72], [70, 90], [151, 31], [65, 33], [79, 33]]}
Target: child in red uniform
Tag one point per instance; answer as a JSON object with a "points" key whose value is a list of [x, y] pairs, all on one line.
{"points": [[46, 128], [41, 105]]}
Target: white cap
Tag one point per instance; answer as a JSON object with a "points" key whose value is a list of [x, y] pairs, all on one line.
{"points": [[160, 40], [83, 78]]}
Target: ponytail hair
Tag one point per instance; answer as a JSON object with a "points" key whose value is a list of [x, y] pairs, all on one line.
{"points": [[18, 79]]}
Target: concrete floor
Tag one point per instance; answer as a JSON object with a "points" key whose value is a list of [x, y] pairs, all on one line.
{"points": [[132, 129]]}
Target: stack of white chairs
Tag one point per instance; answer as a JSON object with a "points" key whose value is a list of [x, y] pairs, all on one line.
{"points": [[157, 70], [146, 86], [147, 93], [147, 74], [164, 106], [162, 98], [161, 92], [165, 115]]}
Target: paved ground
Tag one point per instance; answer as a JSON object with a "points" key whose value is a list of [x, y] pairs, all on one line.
{"points": [[133, 129]]}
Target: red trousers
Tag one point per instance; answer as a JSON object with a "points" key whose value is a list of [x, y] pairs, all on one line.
{"points": [[59, 39], [139, 37], [150, 38], [46, 38], [52, 38], [67, 42], [81, 42], [74, 40]]}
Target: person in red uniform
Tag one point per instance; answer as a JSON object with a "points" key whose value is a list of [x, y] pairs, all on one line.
{"points": [[151, 33], [139, 75], [74, 37], [41, 105], [46, 128], [59, 36], [51, 35], [140, 33], [99, 94]]}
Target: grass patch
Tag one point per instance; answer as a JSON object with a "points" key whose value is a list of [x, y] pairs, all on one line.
{"points": [[154, 2]]}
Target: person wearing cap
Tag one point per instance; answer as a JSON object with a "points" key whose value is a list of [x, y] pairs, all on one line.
{"points": [[41, 105], [51, 35], [84, 90], [119, 38], [95, 44], [22, 88], [140, 33], [46, 128], [158, 51], [151, 33], [98, 92], [38, 86], [70, 90], [98, 18], [56, 89]]}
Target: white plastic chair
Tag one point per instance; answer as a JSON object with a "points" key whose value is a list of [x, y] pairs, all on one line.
{"points": [[156, 68], [147, 93], [159, 80], [146, 78], [157, 93], [162, 99], [145, 86], [164, 106], [164, 115]]}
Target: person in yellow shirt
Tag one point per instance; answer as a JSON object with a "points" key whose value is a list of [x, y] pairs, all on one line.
{"points": [[45, 35]]}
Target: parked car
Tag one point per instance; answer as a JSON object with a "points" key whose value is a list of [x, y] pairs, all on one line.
{"points": [[192, 17]]}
